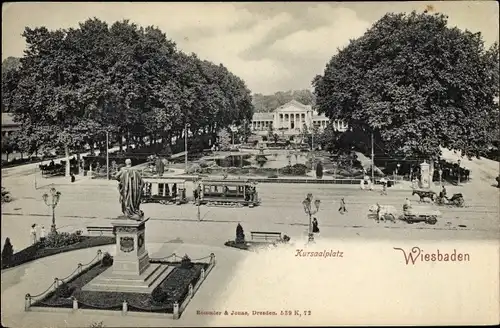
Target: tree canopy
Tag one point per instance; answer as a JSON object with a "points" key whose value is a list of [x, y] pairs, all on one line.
{"points": [[417, 84], [74, 84]]}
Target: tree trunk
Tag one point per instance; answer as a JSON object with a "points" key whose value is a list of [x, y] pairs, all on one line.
{"points": [[78, 162], [66, 154], [120, 143]]}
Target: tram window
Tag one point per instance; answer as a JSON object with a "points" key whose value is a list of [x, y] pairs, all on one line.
{"points": [[161, 188]]}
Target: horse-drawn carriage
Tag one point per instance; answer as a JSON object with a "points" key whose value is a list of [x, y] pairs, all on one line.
{"points": [[420, 214], [423, 194], [441, 199], [164, 191], [409, 215], [235, 193], [51, 170], [455, 200]]}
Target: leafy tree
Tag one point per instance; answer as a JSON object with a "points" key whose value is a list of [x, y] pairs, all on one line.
{"points": [[8, 146], [268, 103], [7, 252], [414, 81], [74, 85], [224, 139]]}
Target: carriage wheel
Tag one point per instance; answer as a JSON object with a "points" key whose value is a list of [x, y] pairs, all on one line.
{"points": [[460, 202], [431, 220]]}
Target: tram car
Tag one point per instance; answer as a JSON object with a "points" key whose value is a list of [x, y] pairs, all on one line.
{"points": [[234, 193], [164, 191]]}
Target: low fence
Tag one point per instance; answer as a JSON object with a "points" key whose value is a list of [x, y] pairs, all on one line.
{"points": [[29, 300], [311, 180], [177, 308]]}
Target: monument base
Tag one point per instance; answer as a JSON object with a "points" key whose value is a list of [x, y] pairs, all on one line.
{"points": [[131, 270], [109, 281]]}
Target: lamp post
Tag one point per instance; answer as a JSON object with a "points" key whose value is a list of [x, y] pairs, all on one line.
{"points": [[458, 173], [440, 177], [397, 170], [310, 211], [186, 145], [107, 155], [55, 195]]}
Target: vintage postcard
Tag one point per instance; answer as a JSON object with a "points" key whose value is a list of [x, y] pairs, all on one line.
{"points": [[250, 164]]}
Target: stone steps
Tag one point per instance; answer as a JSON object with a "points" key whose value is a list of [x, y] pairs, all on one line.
{"points": [[145, 283]]}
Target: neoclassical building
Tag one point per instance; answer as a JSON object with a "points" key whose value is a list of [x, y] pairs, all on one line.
{"points": [[290, 118], [8, 125]]}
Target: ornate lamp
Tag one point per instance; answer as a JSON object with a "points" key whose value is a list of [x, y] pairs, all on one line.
{"points": [[307, 204], [55, 196]]}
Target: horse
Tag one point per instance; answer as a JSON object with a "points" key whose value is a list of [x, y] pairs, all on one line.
{"points": [[386, 213], [424, 194]]}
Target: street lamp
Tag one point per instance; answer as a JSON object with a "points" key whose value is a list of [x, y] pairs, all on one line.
{"points": [[440, 177], [54, 201], [186, 145], [397, 168], [458, 172], [310, 211]]}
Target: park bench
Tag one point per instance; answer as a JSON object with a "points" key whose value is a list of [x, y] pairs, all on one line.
{"points": [[267, 236], [100, 231]]}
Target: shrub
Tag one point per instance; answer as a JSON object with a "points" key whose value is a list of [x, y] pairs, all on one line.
{"points": [[5, 196], [159, 296], [204, 164], [272, 176], [64, 290], [97, 325], [194, 168], [186, 262], [107, 260], [7, 253], [296, 169], [319, 170], [240, 235], [56, 240]]}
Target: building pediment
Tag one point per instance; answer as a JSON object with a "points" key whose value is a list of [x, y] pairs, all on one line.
{"points": [[293, 107]]}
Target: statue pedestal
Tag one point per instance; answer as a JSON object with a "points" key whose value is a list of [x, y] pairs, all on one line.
{"points": [[131, 270]]}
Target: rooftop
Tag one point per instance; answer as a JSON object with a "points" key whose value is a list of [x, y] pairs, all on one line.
{"points": [[8, 119]]}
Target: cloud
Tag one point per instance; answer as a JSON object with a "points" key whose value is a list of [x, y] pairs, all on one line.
{"points": [[226, 48], [322, 42]]}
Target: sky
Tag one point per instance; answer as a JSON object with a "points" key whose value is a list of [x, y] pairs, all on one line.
{"points": [[272, 46]]}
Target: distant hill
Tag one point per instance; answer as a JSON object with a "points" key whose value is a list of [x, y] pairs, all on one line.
{"points": [[268, 103]]}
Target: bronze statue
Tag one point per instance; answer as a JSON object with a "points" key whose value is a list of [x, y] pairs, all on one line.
{"points": [[130, 187]]}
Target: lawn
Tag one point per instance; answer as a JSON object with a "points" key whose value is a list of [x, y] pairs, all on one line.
{"points": [[250, 245], [38, 250], [175, 285]]}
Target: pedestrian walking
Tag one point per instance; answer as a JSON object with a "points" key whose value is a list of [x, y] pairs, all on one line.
{"points": [[342, 208], [383, 181], [42, 234], [33, 234], [407, 205], [315, 228]]}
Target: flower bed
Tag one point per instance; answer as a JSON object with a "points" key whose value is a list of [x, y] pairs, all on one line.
{"points": [[40, 250], [175, 287], [248, 245], [294, 170]]}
